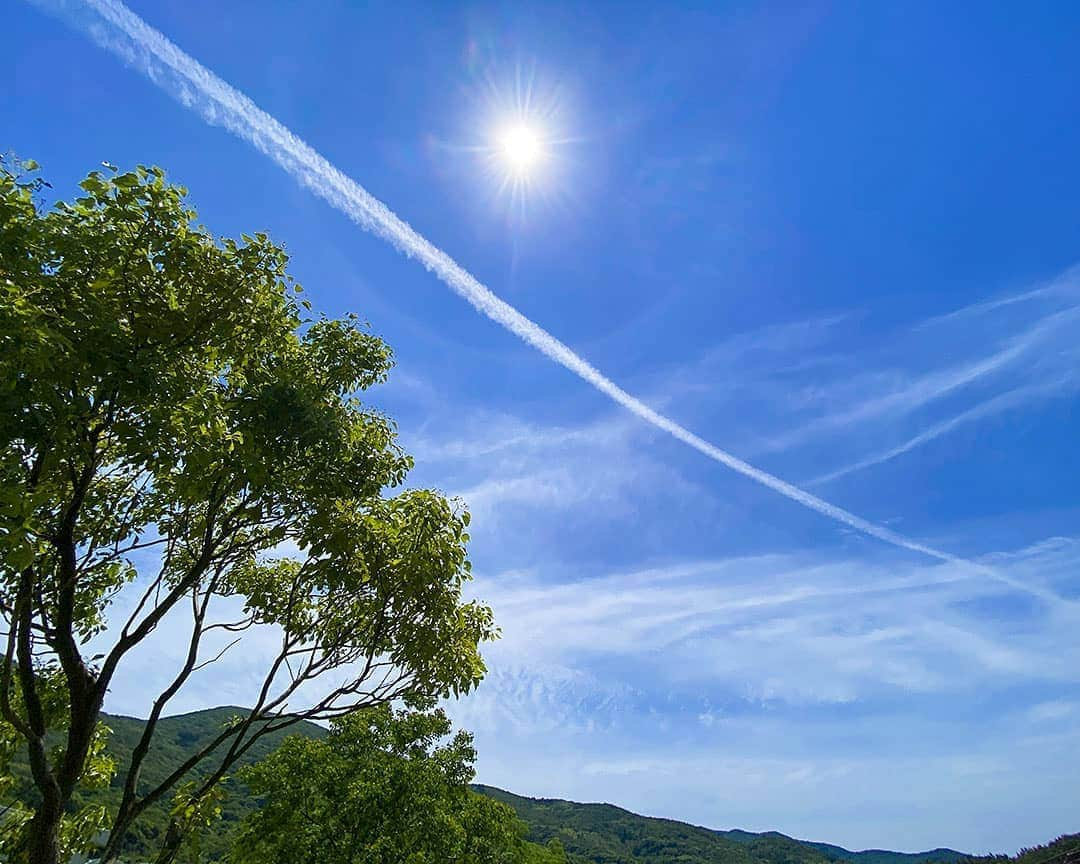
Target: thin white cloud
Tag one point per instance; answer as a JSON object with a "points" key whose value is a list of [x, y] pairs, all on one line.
{"points": [[480, 433], [116, 28], [556, 489], [533, 481], [1052, 711], [937, 384], [784, 627], [989, 408], [1063, 285]]}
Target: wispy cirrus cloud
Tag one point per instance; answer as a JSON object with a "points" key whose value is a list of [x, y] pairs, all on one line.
{"points": [[816, 392], [762, 683], [1025, 354], [789, 627], [526, 478], [1016, 398], [1063, 287]]}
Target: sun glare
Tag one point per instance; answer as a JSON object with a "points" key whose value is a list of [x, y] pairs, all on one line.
{"points": [[520, 148], [522, 151]]}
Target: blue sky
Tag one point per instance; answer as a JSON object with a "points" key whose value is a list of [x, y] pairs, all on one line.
{"points": [[837, 240]]}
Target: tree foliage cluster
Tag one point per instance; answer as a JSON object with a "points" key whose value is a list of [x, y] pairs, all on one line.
{"points": [[408, 798], [1064, 850], [172, 416]]}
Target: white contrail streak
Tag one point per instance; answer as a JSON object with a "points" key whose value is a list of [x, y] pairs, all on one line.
{"points": [[117, 29]]}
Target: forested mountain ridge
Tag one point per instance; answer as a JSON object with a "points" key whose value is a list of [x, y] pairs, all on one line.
{"points": [[590, 833], [884, 856], [606, 834]]}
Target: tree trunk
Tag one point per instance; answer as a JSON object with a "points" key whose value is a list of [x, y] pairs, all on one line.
{"points": [[44, 829]]}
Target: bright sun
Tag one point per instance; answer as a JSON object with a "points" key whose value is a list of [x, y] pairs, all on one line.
{"points": [[520, 149]]}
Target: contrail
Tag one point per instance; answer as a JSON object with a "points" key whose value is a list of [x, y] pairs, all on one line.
{"points": [[120, 31]]}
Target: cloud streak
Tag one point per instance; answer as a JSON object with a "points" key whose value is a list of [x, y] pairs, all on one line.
{"points": [[1066, 284], [117, 29], [1001, 402], [937, 385], [785, 627]]}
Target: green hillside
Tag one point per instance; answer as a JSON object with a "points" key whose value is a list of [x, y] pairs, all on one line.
{"points": [[883, 856], [590, 833], [605, 834]]}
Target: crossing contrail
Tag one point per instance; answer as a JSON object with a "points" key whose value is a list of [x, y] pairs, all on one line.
{"points": [[119, 30]]}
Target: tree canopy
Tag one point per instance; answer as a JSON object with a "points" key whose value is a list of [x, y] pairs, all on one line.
{"points": [[172, 417], [385, 787]]}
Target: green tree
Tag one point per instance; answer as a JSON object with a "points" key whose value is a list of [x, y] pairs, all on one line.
{"points": [[165, 397], [386, 787], [81, 824]]}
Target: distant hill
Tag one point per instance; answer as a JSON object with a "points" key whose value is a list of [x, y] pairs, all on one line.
{"points": [[605, 834], [883, 856], [590, 833]]}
